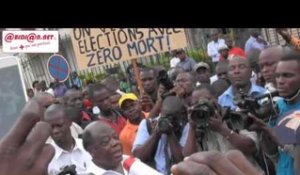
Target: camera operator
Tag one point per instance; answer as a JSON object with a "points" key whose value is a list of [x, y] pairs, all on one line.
{"points": [[210, 133], [182, 88], [165, 141], [288, 85], [240, 75]]}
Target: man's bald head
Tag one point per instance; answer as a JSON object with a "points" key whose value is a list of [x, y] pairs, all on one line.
{"points": [[172, 104], [73, 98], [268, 60], [239, 59], [53, 111], [103, 143], [57, 117], [239, 72], [93, 132]]}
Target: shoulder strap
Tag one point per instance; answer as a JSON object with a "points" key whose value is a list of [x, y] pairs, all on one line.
{"points": [[149, 127]]}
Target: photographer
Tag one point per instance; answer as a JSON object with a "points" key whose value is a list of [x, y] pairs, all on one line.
{"points": [[209, 133], [182, 88], [165, 140]]}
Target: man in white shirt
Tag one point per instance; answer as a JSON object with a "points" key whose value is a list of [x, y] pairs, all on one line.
{"points": [[212, 47], [68, 150], [174, 60], [103, 143]]}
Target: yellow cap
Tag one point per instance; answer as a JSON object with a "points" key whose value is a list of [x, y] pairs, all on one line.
{"points": [[127, 96]]}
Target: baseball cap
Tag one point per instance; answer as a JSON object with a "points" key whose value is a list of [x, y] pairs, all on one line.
{"points": [[288, 128], [201, 64], [127, 96]]}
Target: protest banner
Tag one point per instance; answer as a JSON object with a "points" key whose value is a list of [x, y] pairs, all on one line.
{"points": [[102, 46]]}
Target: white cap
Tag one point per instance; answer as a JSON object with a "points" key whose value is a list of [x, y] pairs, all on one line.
{"points": [[222, 47]]}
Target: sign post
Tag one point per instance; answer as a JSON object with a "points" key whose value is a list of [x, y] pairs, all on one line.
{"points": [[137, 76]]}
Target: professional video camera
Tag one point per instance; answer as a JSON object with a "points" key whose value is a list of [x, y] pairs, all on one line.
{"points": [[68, 170], [200, 114], [202, 111], [164, 80], [261, 106]]}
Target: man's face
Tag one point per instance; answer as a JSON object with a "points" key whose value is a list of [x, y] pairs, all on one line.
{"points": [[60, 127], [75, 99], [132, 109], [148, 81], [229, 43], [185, 80], [203, 75], [239, 72], [224, 52], [267, 63], [287, 77], [222, 72], [114, 99], [108, 149], [102, 100], [30, 93], [176, 116], [214, 36], [181, 55]]}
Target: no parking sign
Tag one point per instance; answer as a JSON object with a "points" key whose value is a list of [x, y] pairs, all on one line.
{"points": [[58, 67]]}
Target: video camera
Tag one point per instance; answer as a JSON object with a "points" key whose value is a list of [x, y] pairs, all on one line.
{"points": [[164, 80], [169, 123], [262, 109], [200, 114], [202, 111], [165, 124], [68, 169], [261, 106]]}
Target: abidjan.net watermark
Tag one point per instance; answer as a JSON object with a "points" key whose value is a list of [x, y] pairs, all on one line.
{"points": [[30, 41]]}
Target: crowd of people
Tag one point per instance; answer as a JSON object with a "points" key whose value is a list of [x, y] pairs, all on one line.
{"points": [[195, 118]]}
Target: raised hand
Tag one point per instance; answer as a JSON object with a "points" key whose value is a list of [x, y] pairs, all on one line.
{"points": [[23, 149]]}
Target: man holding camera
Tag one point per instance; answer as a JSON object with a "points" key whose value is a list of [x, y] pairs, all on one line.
{"points": [[165, 141], [207, 130], [235, 98], [288, 85]]}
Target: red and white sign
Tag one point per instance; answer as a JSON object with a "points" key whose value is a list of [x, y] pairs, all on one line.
{"points": [[30, 41]]}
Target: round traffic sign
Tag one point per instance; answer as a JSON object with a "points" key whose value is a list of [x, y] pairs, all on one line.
{"points": [[58, 67]]}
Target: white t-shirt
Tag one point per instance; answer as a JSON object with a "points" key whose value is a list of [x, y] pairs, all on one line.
{"points": [[174, 61], [78, 157]]}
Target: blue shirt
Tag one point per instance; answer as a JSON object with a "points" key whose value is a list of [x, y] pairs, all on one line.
{"points": [[187, 65], [76, 81], [227, 98], [252, 43], [285, 163], [142, 136]]}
